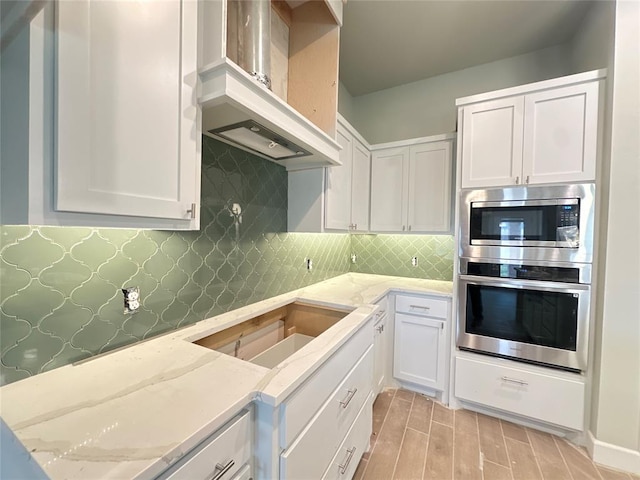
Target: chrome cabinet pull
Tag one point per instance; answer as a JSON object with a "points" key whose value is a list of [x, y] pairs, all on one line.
{"points": [[527, 180], [517, 180], [343, 466], [409, 227], [422, 307], [514, 380], [192, 211], [355, 225], [403, 228], [221, 470], [350, 395]]}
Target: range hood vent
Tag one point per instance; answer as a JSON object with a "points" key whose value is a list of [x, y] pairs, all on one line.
{"points": [[253, 136]]}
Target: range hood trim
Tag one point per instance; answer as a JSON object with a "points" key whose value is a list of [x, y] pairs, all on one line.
{"points": [[223, 83]]}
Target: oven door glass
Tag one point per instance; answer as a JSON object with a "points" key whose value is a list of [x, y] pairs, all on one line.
{"points": [[492, 223], [537, 317]]}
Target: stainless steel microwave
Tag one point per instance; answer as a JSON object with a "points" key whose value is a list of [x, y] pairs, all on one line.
{"points": [[544, 223]]}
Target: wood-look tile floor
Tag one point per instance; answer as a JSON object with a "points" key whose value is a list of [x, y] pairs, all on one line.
{"points": [[415, 437]]}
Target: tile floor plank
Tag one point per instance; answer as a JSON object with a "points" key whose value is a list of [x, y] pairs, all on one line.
{"points": [[403, 394], [360, 471], [439, 464], [551, 463], [466, 446], [511, 430], [412, 456], [380, 409], [580, 465], [523, 462], [491, 440], [382, 459], [442, 414], [420, 417], [492, 471]]}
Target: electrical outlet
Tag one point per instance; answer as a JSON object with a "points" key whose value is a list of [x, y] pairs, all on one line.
{"points": [[353, 258], [131, 299], [309, 263], [414, 261]]}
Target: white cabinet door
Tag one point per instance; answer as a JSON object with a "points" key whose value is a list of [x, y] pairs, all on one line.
{"points": [[338, 186], [429, 201], [419, 350], [380, 354], [388, 189], [560, 134], [360, 186], [128, 139], [492, 143]]}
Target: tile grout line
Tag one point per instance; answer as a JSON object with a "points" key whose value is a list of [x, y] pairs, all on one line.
{"points": [[404, 433], [480, 454], [506, 450], [566, 464], [426, 454], [533, 450]]}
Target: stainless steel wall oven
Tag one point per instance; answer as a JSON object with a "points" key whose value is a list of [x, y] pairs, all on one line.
{"points": [[525, 273]]}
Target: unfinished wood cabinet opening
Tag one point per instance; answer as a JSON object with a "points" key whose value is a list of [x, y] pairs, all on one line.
{"points": [[305, 41], [270, 338]]}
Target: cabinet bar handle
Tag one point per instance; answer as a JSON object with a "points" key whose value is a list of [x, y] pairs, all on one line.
{"points": [[527, 180], [222, 469], [350, 395], [517, 180], [343, 466], [355, 225], [409, 227], [514, 380], [420, 307], [403, 228], [192, 210]]}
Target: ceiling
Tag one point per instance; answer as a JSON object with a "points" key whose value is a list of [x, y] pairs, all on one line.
{"points": [[386, 43]]}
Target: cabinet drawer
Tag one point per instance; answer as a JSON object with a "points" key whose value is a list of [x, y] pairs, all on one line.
{"points": [[346, 459], [312, 451], [556, 399], [243, 474], [303, 404], [431, 307], [227, 449]]}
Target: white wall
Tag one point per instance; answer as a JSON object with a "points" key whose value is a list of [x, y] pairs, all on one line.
{"points": [[616, 413], [427, 107], [592, 46], [345, 103]]}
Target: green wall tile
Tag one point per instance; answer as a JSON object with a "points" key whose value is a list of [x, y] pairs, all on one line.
{"points": [[60, 298]]}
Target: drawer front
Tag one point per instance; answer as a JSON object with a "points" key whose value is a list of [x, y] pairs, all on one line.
{"points": [[303, 404], [243, 474], [345, 461], [426, 306], [543, 397], [227, 450], [312, 451]]}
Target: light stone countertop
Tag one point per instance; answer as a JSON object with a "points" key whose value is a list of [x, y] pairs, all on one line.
{"points": [[132, 412]]}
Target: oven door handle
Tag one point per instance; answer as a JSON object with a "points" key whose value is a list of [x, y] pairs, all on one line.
{"points": [[528, 284]]}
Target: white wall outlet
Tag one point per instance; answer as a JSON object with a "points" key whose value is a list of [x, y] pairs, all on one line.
{"points": [[309, 263], [354, 258], [414, 261], [131, 299]]}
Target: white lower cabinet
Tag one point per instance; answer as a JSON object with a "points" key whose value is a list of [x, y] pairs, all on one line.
{"points": [[312, 451], [420, 341], [381, 348], [347, 457], [226, 453], [530, 391]]}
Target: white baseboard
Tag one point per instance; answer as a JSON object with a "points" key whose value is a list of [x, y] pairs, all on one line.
{"points": [[613, 456]]}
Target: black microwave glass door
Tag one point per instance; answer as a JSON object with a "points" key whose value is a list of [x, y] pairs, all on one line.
{"points": [[524, 223], [536, 317]]}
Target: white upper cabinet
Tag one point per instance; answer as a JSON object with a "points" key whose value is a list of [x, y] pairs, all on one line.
{"points": [[388, 189], [334, 198], [492, 143], [545, 132], [347, 186], [411, 186], [127, 135], [111, 131]]}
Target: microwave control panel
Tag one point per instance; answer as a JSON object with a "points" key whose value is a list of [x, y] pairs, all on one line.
{"points": [[568, 215]]}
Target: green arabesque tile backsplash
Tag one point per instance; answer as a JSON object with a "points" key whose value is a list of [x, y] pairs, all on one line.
{"points": [[60, 298]]}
